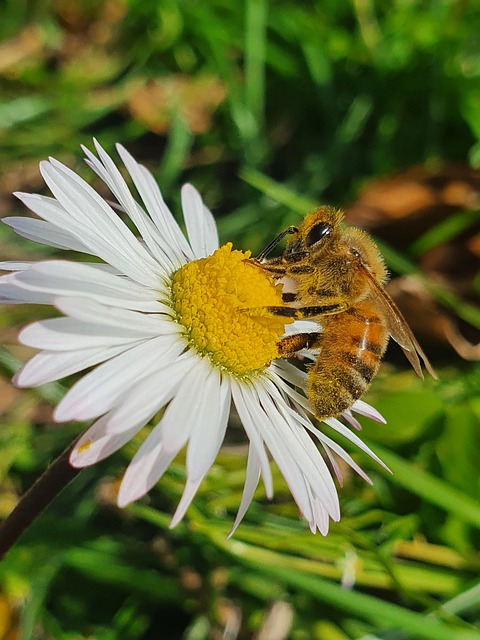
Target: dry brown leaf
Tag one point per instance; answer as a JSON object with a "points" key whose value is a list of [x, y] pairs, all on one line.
{"points": [[155, 103], [8, 622], [8, 393], [404, 205], [25, 46]]}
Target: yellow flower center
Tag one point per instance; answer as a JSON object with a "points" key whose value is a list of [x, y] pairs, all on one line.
{"points": [[221, 300]]}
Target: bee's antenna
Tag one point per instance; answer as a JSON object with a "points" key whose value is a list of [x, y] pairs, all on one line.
{"points": [[274, 243]]}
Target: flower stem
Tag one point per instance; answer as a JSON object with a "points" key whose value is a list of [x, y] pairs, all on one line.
{"points": [[56, 477]]}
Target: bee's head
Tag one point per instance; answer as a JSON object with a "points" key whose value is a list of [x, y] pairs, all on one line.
{"points": [[317, 230]]}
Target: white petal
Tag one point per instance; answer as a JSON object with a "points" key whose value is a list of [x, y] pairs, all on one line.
{"points": [[155, 205], [320, 520], [45, 233], [289, 458], [365, 409], [328, 443], [99, 391], [302, 326], [299, 446], [333, 422], [119, 425], [314, 467], [285, 456], [212, 240], [210, 417], [83, 230], [69, 186], [12, 265], [47, 366], [96, 445], [148, 465], [75, 273], [62, 278], [68, 334], [334, 464], [251, 482], [83, 203], [298, 399], [180, 415], [163, 444], [52, 212], [240, 395], [331, 444], [289, 372], [345, 431], [106, 169], [92, 312], [201, 228], [13, 292], [352, 421], [189, 492], [151, 393]]}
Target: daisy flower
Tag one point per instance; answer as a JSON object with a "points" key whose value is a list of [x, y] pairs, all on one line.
{"points": [[164, 321]]}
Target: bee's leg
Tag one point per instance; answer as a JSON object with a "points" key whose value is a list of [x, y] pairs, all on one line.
{"points": [[276, 271], [284, 312], [297, 256], [321, 310], [278, 266], [300, 269], [274, 267], [290, 345], [304, 312]]}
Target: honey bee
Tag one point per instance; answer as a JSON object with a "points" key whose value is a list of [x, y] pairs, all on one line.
{"points": [[339, 278]]}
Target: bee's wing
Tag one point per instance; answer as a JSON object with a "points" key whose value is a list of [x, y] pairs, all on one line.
{"points": [[397, 325]]}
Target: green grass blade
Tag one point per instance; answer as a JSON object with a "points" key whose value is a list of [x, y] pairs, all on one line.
{"points": [[433, 489], [444, 231], [466, 601], [255, 47], [379, 612], [278, 192], [178, 146]]}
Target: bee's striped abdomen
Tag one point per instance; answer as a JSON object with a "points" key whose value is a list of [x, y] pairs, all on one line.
{"points": [[352, 346]]}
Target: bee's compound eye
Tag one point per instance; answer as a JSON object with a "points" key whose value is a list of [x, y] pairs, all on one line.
{"points": [[318, 232]]}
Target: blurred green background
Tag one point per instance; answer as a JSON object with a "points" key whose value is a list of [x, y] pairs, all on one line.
{"points": [[268, 108]]}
